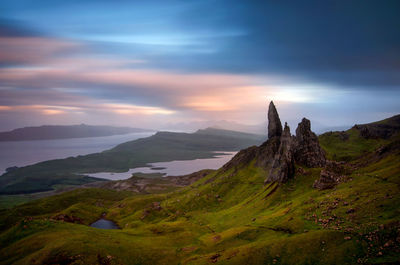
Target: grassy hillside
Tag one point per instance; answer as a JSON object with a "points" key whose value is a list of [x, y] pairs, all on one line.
{"points": [[361, 139], [161, 147], [227, 217], [348, 145]]}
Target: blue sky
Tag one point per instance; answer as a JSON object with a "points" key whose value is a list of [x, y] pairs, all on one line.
{"points": [[152, 63]]}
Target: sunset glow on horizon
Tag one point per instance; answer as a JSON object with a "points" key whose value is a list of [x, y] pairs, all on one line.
{"points": [[154, 64]]}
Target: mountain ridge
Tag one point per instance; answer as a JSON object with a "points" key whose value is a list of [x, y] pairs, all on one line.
{"points": [[50, 132]]}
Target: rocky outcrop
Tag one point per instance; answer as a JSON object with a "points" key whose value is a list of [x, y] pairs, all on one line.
{"points": [[332, 174], [327, 180], [308, 152], [274, 123], [282, 151], [67, 218], [279, 154], [244, 156]]}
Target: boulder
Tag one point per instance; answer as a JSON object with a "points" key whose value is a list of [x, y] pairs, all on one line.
{"points": [[332, 174], [327, 180]]}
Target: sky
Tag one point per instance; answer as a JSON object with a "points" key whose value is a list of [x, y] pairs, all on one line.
{"points": [[156, 64]]}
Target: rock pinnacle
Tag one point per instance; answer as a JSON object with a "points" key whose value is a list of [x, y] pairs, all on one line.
{"points": [[274, 123]]}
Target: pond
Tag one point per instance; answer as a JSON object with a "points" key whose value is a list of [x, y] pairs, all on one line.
{"points": [[104, 224]]}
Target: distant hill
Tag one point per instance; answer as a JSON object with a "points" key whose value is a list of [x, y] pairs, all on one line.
{"points": [[259, 128], [218, 124], [48, 132], [161, 147]]}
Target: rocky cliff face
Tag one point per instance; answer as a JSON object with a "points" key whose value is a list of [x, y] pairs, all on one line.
{"points": [[279, 154]]}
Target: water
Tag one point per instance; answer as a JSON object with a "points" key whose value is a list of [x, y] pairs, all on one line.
{"points": [[23, 153], [104, 224], [172, 168]]}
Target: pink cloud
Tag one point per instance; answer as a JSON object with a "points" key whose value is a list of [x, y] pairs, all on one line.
{"points": [[33, 49], [56, 80]]}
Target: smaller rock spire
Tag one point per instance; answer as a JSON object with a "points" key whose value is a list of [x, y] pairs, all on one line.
{"points": [[286, 130], [274, 123], [308, 151]]}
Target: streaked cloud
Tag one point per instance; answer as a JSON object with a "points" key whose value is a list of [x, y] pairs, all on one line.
{"points": [[33, 50], [155, 61], [133, 109]]}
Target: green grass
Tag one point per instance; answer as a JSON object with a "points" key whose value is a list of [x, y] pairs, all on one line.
{"points": [[228, 217], [9, 201], [339, 147]]}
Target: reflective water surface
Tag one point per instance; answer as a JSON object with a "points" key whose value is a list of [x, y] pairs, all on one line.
{"points": [[104, 224], [23, 153], [173, 168]]}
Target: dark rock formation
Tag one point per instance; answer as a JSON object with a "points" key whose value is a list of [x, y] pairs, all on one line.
{"points": [[333, 173], [279, 154], [283, 164], [327, 180], [244, 156], [304, 149], [265, 153], [67, 218], [308, 151], [274, 123]]}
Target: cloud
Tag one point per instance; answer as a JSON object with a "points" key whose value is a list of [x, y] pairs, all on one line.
{"points": [[170, 61], [32, 50], [171, 89]]}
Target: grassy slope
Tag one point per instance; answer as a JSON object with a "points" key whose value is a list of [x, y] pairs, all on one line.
{"points": [[161, 147], [346, 150], [348, 145], [226, 217]]}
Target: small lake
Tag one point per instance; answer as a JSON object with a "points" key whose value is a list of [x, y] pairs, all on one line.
{"points": [[104, 224], [172, 168], [23, 153]]}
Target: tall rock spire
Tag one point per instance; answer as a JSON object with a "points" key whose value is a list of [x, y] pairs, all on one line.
{"points": [[274, 123]]}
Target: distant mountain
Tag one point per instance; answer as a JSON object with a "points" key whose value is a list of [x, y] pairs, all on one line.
{"points": [[48, 132], [218, 124], [259, 128]]}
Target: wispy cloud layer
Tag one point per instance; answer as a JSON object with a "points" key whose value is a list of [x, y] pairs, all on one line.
{"points": [[157, 62]]}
